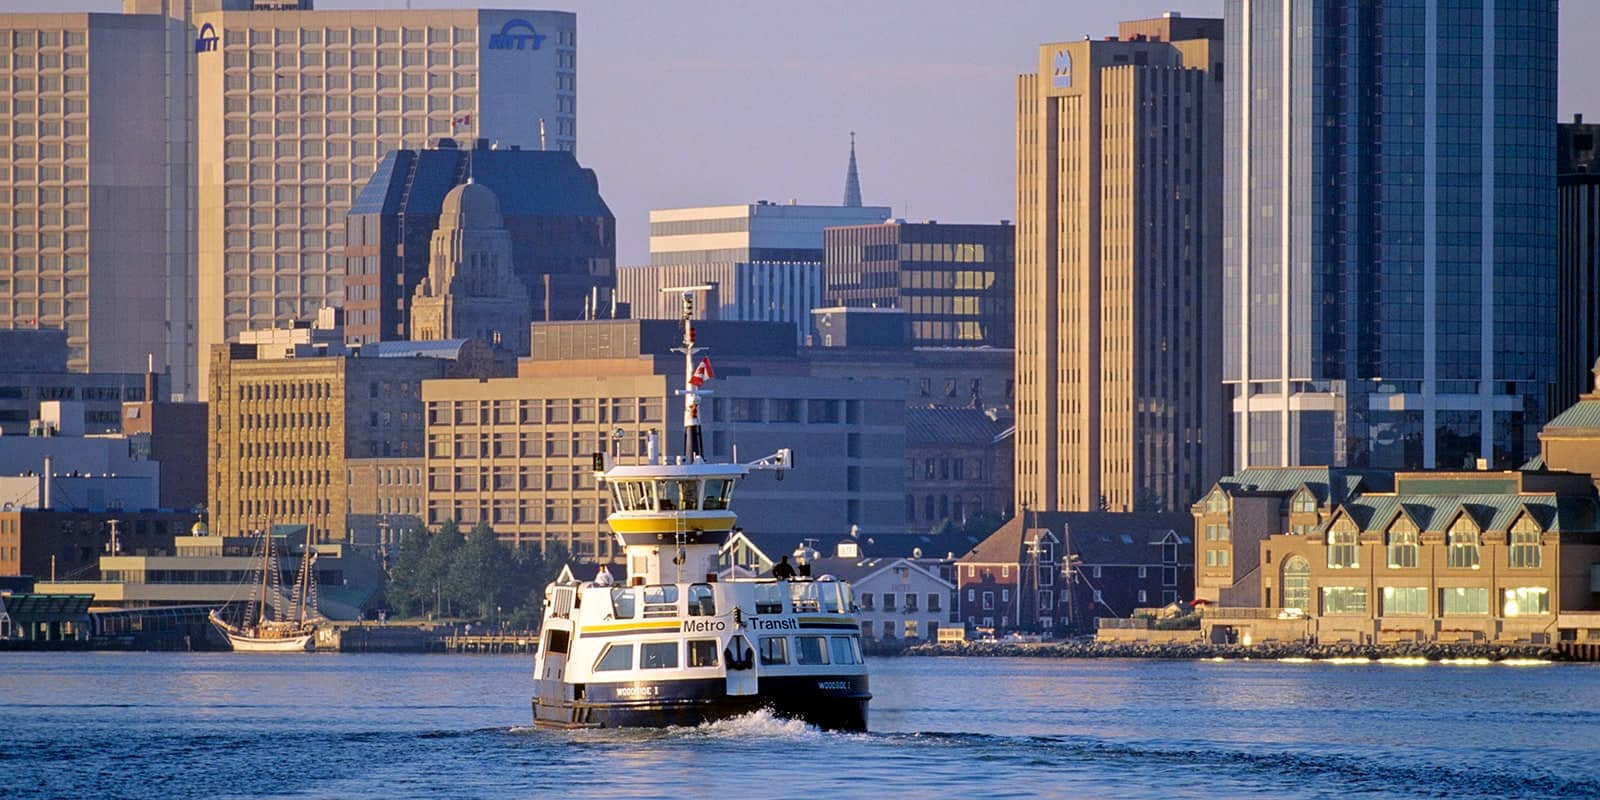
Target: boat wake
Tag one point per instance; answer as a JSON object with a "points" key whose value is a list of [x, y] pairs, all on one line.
{"points": [[758, 724]]}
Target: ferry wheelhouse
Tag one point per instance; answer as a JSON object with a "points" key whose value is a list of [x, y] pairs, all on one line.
{"points": [[674, 645]]}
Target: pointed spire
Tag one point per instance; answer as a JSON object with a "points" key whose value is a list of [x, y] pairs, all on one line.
{"points": [[852, 180]]}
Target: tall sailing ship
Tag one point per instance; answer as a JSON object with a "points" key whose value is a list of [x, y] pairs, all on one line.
{"points": [[275, 622], [673, 644]]}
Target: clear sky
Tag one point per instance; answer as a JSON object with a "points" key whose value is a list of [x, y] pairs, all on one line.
{"points": [[701, 102]]}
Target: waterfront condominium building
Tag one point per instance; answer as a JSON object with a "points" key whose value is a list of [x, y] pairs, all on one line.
{"points": [[296, 108], [1390, 230], [94, 187], [953, 281], [764, 259], [1119, 402], [563, 236], [1578, 322]]}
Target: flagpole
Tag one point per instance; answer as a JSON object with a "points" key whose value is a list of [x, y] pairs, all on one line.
{"points": [[693, 448]]}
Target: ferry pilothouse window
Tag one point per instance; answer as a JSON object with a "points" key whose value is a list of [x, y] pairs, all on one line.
{"points": [[829, 594], [623, 603], [634, 496], [615, 658], [844, 650], [718, 491], [689, 495], [702, 652], [774, 650], [667, 495], [702, 601], [658, 655], [769, 598], [661, 600], [803, 596], [810, 650]]}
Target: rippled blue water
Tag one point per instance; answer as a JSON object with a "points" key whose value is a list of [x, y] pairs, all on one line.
{"points": [[223, 725]]}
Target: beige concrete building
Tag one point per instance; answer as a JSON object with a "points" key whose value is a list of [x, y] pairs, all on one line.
{"points": [[386, 498], [286, 426], [296, 108], [1118, 270], [94, 221], [470, 291], [517, 452]]}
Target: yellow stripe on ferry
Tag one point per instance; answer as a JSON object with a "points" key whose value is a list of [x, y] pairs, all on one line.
{"points": [[653, 626], [670, 524]]}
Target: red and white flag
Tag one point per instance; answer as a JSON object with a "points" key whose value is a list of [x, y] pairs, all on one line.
{"points": [[702, 373], [462, 121]]}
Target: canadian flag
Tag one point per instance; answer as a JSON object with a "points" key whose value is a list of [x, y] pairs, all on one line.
{"points": [[462, 121], [702, 373]]}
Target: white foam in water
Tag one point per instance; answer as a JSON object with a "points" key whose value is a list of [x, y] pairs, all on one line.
{"points": [[760, 723]]}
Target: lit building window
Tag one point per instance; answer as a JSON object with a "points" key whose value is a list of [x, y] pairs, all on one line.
{"points": [[1402, 544], [1463, 544], [1342, 548], [1525, 550]]}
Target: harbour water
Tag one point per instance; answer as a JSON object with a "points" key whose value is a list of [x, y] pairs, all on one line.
{"points": [[162, 725]]}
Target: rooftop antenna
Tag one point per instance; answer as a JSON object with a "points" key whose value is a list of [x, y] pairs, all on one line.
{"points": [[541, 134]]}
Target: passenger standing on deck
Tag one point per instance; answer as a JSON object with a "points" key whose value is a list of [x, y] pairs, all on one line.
{"points": [[782, 571], [603, 577]]}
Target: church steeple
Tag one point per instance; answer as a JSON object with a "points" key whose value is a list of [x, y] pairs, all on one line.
{"points": [[852, 180]]}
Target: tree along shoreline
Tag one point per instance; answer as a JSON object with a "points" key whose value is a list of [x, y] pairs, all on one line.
{"points": [[1430, 651]]}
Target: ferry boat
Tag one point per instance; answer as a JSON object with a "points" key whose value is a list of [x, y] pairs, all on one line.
{"points": [[674, 645]]}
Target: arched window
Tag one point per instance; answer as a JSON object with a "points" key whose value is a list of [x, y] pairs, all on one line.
{"points": [[1463, 543], [1402, 544], [1304, 503], [1342, 544], [1525, 550], [1297, 584]]}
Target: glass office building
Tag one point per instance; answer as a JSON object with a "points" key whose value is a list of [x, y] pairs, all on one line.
{"points": [[953, 281], [1390, 230]]}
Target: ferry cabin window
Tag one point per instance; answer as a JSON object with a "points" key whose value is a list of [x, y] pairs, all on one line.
{"points": [[718, 491], [633, 496], [810, 650], [844, 650], [623, 603], [556, 641], [702, 652], [829, 594], [702, 601], [769, 598], [774, 650], [616, 657], [658, 655], [689, 495]]}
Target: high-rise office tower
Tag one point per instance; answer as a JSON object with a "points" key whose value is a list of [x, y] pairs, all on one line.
{"points": [[93, 186], [296, 108], [1578, 322], [1119, 401], [1390, 239]]}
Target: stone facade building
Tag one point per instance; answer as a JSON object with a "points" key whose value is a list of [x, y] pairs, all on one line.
{"points": [[471, 291]]}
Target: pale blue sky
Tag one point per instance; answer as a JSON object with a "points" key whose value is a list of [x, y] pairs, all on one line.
{"points": [[705, 102]]}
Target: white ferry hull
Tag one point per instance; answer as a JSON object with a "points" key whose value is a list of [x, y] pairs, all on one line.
{"points": [[834, 703]]}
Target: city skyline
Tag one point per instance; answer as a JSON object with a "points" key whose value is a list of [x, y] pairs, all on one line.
{"points": [[880, 71]]}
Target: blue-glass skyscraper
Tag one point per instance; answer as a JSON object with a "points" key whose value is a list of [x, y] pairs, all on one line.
{"points": [[1389, 245]]}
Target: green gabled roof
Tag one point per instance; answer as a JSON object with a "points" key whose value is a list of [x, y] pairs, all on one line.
{"points": [[1328, 484], [1584, 414], [1491, 512]]}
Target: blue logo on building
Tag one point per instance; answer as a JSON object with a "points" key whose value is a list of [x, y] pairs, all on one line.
{"points": [[1061, 77], [208, 40], [516, 34]]}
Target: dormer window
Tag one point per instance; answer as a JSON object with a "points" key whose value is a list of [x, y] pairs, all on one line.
{"points": [[1216, 502], [1342, 547], [1402, 544], [1525, 550], [1303, 503], [1463, 543]]}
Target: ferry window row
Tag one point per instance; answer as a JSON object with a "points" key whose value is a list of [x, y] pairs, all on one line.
{"points": [[657, 655], [810, 650], [711, 494]]}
